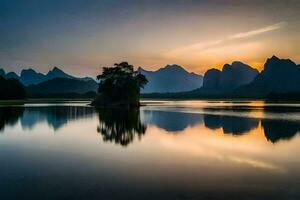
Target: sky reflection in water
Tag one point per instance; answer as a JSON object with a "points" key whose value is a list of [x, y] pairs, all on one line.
{"points": [[166, 150]]}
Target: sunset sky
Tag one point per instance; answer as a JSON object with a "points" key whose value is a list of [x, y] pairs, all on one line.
{"points": [[80, 36]]}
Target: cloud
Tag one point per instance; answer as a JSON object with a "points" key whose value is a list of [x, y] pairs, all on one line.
{"points": [[258, 164], [259, 31], [204, 46]]}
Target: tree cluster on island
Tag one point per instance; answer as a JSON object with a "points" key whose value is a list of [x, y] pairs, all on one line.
{"points": [[120, 86]]}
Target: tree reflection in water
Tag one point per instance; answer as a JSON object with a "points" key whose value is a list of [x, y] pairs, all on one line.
{"points": [[120, 126], [9, 116]]}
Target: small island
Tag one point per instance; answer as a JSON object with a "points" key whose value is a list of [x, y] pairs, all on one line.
{"points": [[119, 86]]}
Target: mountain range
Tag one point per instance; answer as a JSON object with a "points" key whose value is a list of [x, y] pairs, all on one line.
{"points": [[178, 80], [171, 78], [279, 78], [31, 77], [236, 80], [56, 86], [229, 78]]}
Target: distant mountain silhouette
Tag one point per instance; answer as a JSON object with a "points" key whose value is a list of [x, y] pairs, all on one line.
{"points": [[31, 77], [212, 79], [57, 73], [11, 75], [231, 77], [62, 85], [278, 76], [171, 78]]}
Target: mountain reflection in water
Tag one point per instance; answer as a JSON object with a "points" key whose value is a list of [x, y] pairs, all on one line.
{"points": [[55, 116], [72, 151], [122, 126]]}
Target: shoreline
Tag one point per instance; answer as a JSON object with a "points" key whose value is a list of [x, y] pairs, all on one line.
{"points": [[143, 101]]}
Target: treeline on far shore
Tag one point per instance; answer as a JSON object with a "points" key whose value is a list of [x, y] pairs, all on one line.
{"points": [[12, 89], [72, 95], [293, 96], [289, 96]]}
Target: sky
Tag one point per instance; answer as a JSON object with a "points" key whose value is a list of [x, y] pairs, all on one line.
{"points": [[81, 36]]}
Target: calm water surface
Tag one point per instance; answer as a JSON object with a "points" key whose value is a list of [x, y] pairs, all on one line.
{"points": [[165, 150]]}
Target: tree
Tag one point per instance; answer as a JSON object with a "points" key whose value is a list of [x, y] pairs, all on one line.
{"points": [[11, 89], [119, 86]]}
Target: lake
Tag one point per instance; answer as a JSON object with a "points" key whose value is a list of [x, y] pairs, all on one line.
{"points": [[164, 150]]}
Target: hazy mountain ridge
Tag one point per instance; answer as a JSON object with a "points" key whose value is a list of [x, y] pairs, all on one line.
{"points": [[62, 86], [31, 77], [238, 80], [229, 78], [278, 76], [171, 78], [58, 73], [280, 79]]}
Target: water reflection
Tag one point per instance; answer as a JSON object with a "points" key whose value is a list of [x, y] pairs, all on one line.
{"points": [[123, 126], [55, 116], [222, 147], [9, 116], [274, 129], [170, 120], [120, 126], [231, 124]]}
